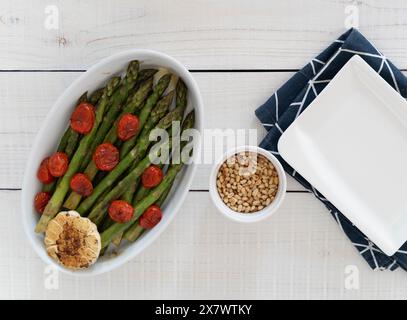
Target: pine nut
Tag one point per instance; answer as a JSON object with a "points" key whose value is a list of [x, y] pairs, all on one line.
{"points": [[247, 182]]}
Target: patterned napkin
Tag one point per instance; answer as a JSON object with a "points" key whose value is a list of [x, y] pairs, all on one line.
{"points": [[287, 103]]}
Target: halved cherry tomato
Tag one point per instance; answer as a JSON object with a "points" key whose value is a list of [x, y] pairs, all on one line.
{"points": [[41, 200], [121, 211], [58, 164], [151, 217], [152, 176], [83, 118], [128, 126], [106, 157], [43, 173], [81, 184]]}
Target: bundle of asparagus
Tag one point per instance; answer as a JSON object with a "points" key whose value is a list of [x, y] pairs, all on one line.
{"points": [[103, 158]]}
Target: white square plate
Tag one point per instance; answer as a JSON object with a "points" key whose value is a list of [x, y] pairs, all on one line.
{"points": [[351, 145]]}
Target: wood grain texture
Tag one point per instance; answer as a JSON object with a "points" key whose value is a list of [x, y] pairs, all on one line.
{"points": [[299, 253], [237, 34]]}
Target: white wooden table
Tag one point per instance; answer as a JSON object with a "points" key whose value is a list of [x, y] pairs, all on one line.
{"points": [[239, 52]]}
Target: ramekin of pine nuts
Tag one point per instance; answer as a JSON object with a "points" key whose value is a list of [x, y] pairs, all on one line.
{"points": [[247, 184]]}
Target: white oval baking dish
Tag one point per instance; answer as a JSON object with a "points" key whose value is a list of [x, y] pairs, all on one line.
{"points": [[54, 126]]}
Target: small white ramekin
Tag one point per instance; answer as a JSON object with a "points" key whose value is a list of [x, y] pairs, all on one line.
{"points": [[248, 217]]}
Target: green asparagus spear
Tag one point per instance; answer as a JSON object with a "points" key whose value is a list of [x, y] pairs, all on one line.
{"points": [[91, 170], [95, 96], [135, 231], [135, 103], [117, 99], [143, 76], [133, 196], [116, 229], [97, 213], [57, 198], [128, 196], [68, 132], [105, 224], [181, 101], [181, 104], [164, 196], [108, 235], [75, 136], [64, 140], [65, 144], [72, 143], [140, 194], [146, 74], [117, 240], [163, 124], [82, 98], [134, 156], [159, 89], [49, 187], [182, 91]]}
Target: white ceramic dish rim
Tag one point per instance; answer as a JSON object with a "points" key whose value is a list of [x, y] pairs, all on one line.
{"points": [[75, 90], [252, 217]]}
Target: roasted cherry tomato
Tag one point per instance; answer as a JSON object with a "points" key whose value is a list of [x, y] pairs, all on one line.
{"points": [[128, 126], [106, 157], [81, 184], [83, 118], [58, 164], [41, 200], [121, 211], [152, 176], [150, 217], [43, 173]]}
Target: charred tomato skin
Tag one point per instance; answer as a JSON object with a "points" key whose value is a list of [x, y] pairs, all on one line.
{"points": [[128, 126], [81, 184], [41, 200], [121, 211], [83, 118], [151, 217], [106, 157], [58, 164], [152, 177], [43, 173]]}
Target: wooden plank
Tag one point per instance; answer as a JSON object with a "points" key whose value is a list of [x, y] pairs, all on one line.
{"points": [[299, 253], [201, 34], [25, 98]]}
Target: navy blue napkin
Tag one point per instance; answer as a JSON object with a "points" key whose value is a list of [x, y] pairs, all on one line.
{"points": [[287, 103]]}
